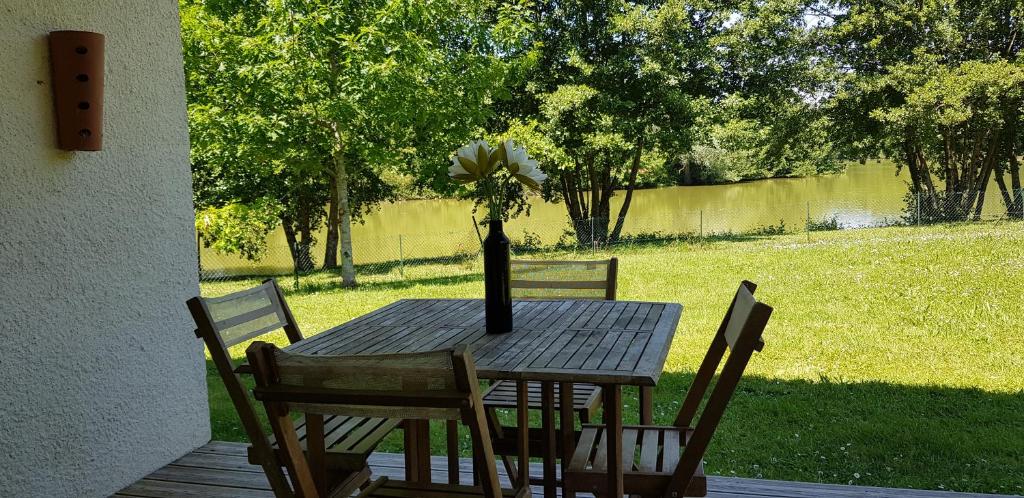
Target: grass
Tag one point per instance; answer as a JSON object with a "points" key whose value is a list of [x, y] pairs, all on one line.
{"points": [[894, 357]]}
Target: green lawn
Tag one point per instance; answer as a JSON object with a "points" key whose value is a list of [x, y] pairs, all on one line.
{"points": [[894, 357]]}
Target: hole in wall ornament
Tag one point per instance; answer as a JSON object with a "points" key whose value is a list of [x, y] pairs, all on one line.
{"points": [[76, 60]]}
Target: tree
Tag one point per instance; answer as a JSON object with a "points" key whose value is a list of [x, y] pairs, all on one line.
{"points": [[327, 93], [380, 85], [937, 84], [766, 119], [602, 84], [248, 161]]}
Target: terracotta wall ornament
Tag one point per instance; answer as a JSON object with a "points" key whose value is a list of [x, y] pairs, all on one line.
{"points": [[77, 61]]}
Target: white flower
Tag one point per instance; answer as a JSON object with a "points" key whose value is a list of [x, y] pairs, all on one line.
{"points": [[521, 166], [473, 162]]}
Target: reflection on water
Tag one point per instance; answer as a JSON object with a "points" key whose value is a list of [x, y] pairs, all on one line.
{"points": [[864, 195]]}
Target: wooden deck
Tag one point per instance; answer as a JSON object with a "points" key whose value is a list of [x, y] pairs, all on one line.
{"points": [[220, 470]]}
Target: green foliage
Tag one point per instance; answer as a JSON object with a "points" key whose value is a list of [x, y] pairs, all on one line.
{"points": [[529, 242], [603, 95], [936, 84], [769, 230], [968, 96], [740, 141], [239, 228], [325, 101], [824, 225]]}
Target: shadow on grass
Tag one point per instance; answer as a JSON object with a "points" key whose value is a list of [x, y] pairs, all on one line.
{"points": [[391, 267], [866, 433], [385, 267], [311, 287]]}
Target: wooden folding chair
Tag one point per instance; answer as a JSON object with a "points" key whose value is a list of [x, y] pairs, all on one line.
{"points": [[434, 385], [229, 320], [668, 460]]}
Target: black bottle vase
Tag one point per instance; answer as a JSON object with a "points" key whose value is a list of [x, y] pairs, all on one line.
{"points": [[497, 284]]}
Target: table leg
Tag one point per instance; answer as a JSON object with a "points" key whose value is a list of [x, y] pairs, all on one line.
{"points": [[315, 450], [646, 405], [417, 450], [523, 435], [613, 423], [567, 419], [547, 395]]}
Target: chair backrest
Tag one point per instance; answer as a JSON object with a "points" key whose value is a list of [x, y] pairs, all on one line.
{"points": [[433, 385], [228, 320], [247, 314], [539, 279], [740, 334]]}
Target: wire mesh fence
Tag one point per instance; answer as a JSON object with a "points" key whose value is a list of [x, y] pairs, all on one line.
{"points": [[447, 253]]}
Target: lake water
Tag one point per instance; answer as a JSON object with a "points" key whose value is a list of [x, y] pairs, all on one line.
{"points": [[865, 195]]}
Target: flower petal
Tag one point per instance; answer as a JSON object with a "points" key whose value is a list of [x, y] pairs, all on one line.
{"points": [[469, 165], [528, 182]]}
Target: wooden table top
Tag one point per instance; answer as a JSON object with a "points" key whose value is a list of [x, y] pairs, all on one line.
{"points": [[599, 342]]}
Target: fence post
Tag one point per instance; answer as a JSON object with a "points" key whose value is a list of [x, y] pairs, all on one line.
{"points": [[401, 257], [807, 226]]}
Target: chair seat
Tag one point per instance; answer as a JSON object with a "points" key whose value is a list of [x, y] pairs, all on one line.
{"points": [[650, 455], [349, 440], [390, 488], [586, 398]]}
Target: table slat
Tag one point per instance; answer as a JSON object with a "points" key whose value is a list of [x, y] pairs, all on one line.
{"points": [[600, 342]]}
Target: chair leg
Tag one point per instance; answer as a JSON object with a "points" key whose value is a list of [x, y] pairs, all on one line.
{"points": [[476, 465], [275, 477], [547, 404], [494, 425], [452, 436], [357, 480], [567, 427]]}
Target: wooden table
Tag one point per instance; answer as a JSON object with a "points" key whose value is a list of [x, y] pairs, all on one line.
{"points": [[609, 343]]}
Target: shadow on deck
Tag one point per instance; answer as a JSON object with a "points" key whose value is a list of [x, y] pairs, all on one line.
{"points": [[221, 470]]}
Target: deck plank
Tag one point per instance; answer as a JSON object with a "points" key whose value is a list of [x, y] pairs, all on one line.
{"points": [[221, 470]]}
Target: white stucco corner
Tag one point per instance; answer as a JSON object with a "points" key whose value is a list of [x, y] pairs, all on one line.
{"points": [[103, 380]]}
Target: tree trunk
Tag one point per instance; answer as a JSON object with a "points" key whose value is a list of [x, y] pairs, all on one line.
{"points": [[333, 209], [305, 246], [299, 248], [348, 269], [601, 189], [978, 196], [289, 237], [1018, 194], [575, 196], [630, 185], [1016, 209], [921, 179], [1008, 198]]}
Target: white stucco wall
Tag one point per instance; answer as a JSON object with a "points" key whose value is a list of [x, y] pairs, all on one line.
{"points": [[101, 379]]}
